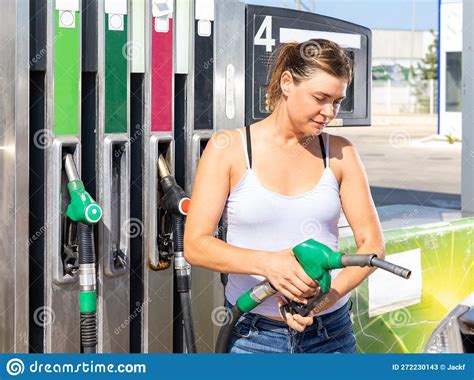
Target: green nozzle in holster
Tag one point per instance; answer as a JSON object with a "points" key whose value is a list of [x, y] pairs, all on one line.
{"points": [[83, 208]]}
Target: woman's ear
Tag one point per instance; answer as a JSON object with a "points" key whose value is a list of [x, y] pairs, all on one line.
{"points": [[286, 82]]}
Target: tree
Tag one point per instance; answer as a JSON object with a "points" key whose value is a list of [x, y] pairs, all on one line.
{"points": [[425, 71]]}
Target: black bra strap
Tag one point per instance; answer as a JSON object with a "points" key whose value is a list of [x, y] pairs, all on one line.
{"points": [[249, 144], [323, 150]]}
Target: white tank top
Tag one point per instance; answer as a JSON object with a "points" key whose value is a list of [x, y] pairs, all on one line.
{"points": [[260, 219]]}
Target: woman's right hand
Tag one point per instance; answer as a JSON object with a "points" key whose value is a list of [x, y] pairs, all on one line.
{"points": [[288, 277]]}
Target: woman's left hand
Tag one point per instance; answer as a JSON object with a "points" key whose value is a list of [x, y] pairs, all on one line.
{"points": [[295, 321], [299, 323]]}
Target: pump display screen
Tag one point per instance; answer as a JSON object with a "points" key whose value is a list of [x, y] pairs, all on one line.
{"points": [[268, 27]]}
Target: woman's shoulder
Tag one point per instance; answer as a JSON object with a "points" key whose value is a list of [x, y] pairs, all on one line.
{"points": [[339, 145], [227, 140], [225, 144], [338, 142]]}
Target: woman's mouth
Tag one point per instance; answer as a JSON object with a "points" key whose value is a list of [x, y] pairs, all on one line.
{"points": [[322, 125]]}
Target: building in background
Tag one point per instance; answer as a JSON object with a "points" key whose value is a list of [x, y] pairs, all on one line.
{"points": [[450, 78], [404, 72]]}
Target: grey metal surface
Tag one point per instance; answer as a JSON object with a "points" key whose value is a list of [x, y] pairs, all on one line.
{"points": [[467, 166], [14, 116], [115, 203], [229, 65], [113, 301], [61, 310]]}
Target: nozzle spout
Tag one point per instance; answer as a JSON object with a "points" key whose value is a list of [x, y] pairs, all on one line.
{"points": [[163, 167], [70, 168]]}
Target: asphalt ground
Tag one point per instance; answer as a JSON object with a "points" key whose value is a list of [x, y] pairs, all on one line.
{"points": [[404, 162]]}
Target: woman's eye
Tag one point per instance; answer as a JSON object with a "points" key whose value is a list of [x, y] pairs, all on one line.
{"points": [[318, 99]]}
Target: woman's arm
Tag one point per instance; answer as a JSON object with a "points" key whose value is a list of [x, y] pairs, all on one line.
{"points": [[361, 214], [201, 248], [211, 188]]}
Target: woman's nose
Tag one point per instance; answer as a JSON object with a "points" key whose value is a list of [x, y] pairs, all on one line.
{"points": [[328, 110]]}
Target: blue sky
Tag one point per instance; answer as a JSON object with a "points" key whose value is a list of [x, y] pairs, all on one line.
{"points": [[374, 14]]}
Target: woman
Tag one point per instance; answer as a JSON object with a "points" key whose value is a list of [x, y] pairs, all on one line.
{"points": [[279, 182]]}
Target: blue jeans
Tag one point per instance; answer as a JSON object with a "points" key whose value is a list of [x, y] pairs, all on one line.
{"points": [[329, 333]]}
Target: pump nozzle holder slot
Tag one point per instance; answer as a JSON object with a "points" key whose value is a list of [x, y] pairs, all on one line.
{"points": [[63, 262], [117, 228]]}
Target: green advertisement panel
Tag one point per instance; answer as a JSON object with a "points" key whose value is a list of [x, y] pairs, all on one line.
{"points": [[116, 53], [67, 48], [391, 317]]}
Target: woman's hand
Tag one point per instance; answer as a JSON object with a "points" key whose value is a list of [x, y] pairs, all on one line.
{"points": [[299, 323], [288, 277], [294, 321]]}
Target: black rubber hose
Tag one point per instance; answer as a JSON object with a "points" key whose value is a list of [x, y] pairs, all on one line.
{"points": [[178, 232], [89, 332], [225, 332], [188, 322], [86, 244], [88, 321]]}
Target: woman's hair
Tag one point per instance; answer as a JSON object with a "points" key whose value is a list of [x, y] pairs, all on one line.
{"points": [[304, 59]]}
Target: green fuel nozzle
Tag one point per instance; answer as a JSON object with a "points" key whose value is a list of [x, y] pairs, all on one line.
{"points": [[84, 212], [83, 208], [317, 261]]}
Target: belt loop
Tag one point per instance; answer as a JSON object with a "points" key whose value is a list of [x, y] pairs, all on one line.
{"points": [[319, 321], [255, 319]]}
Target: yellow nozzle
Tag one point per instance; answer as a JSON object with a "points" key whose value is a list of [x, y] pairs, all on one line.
{"points": [[163, 167]]}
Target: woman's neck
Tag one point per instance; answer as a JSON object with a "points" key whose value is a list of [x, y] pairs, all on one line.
{"points": [[281, 130]]}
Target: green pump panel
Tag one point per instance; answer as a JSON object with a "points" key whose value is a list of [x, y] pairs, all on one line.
{"points": [[67, 51], [116, 60]]}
